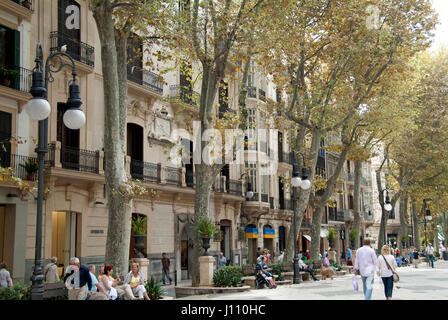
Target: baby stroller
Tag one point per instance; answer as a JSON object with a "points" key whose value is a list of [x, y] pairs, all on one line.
{"points": [[263, 278]]}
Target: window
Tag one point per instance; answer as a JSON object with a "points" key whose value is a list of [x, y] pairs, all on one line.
{"points": [[251, 128], [350, 202], [251, 168]]}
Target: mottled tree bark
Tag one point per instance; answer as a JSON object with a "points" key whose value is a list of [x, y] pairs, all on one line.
{"points": [[320, 202], [357, 219], [403, 232], [119, 217], [304, 195]]}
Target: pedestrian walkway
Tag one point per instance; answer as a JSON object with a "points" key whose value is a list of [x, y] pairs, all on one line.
{"points": [[415, 284]]}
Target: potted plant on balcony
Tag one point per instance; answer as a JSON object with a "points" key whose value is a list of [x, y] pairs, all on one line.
{"points": [[26, 4], [139, 233], [207, 229], [31, 167]]}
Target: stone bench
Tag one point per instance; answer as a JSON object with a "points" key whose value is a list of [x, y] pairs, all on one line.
{"points": [[290, 275], [348, 269], [55, 290], [249, 281], [341, 273]]}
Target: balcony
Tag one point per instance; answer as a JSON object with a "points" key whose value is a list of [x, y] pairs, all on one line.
{"points": [[184, 95], [346, 214], [262, 95], [254, 198], [79, 159], [173, 175], [264, 197], [271, 203], [286, 204], [286, 157], [17, 78], [334, 215], [28, 4], [253, 92], [18, 163], [145, 171], [22, 9], [147, 79], [234, 187], [78, 50]]}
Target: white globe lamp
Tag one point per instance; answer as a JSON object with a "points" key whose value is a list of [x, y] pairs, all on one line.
{"points": [[38, 109]]}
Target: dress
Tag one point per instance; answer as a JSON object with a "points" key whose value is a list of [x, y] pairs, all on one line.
{"points": [[112, 292]]}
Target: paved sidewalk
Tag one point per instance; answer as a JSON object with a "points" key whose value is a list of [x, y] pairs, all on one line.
{"points": [[416, 284]]}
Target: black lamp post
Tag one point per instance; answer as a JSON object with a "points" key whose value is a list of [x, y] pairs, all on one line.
{"points": [[388, 207], [39, 109], [428, 218], [305, 184]]}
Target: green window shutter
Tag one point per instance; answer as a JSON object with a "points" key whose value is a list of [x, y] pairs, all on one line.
{"points": [[17, 48]]}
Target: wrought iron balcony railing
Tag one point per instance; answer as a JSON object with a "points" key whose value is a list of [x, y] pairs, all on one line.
{"points": [[79, 159], [17, 78], [147, 79], [252, 92], [185, 95], [78, 50], [145, 171], [235, 187], [336, 216], [173, 175]]}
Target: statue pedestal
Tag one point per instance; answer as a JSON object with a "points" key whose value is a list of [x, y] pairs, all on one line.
{"points": [[143, 263], [206, 271]]}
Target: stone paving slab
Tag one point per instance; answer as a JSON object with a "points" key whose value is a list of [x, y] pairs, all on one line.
{"points": [[422, 283]]}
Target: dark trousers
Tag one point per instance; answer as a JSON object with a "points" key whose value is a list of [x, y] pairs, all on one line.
{"points": [[431, 260], [310, 271], [388, 286], [166, 273]]}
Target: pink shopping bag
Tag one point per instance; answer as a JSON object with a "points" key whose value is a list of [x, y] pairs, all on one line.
{"points": [[355, 283]]}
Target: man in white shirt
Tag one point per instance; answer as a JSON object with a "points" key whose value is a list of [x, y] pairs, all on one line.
{"points": [[365, 265], [430, 253]]}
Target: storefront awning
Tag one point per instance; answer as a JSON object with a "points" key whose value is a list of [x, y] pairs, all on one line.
{"points": [[307, 237]]}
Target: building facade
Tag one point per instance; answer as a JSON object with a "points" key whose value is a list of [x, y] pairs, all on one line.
{"points": [[75, 207]]}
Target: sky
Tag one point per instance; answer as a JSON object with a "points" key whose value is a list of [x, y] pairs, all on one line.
{"points": [[441, 32]]}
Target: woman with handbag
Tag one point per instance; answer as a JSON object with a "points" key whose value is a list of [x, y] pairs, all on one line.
{"points": [[386, 267]]}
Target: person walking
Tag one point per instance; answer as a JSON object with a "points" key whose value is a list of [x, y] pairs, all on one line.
{"points": [[51, 271], [222, 260], [415, 258], [165, 268], [430, 254], [76, 287], [5, 277], [349, 256], [365, 266], [386, 265]]}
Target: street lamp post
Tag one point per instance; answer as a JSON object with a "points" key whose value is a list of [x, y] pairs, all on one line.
{"points": [[388, 207], [39, 109], [428, 218], [305, 184]]}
